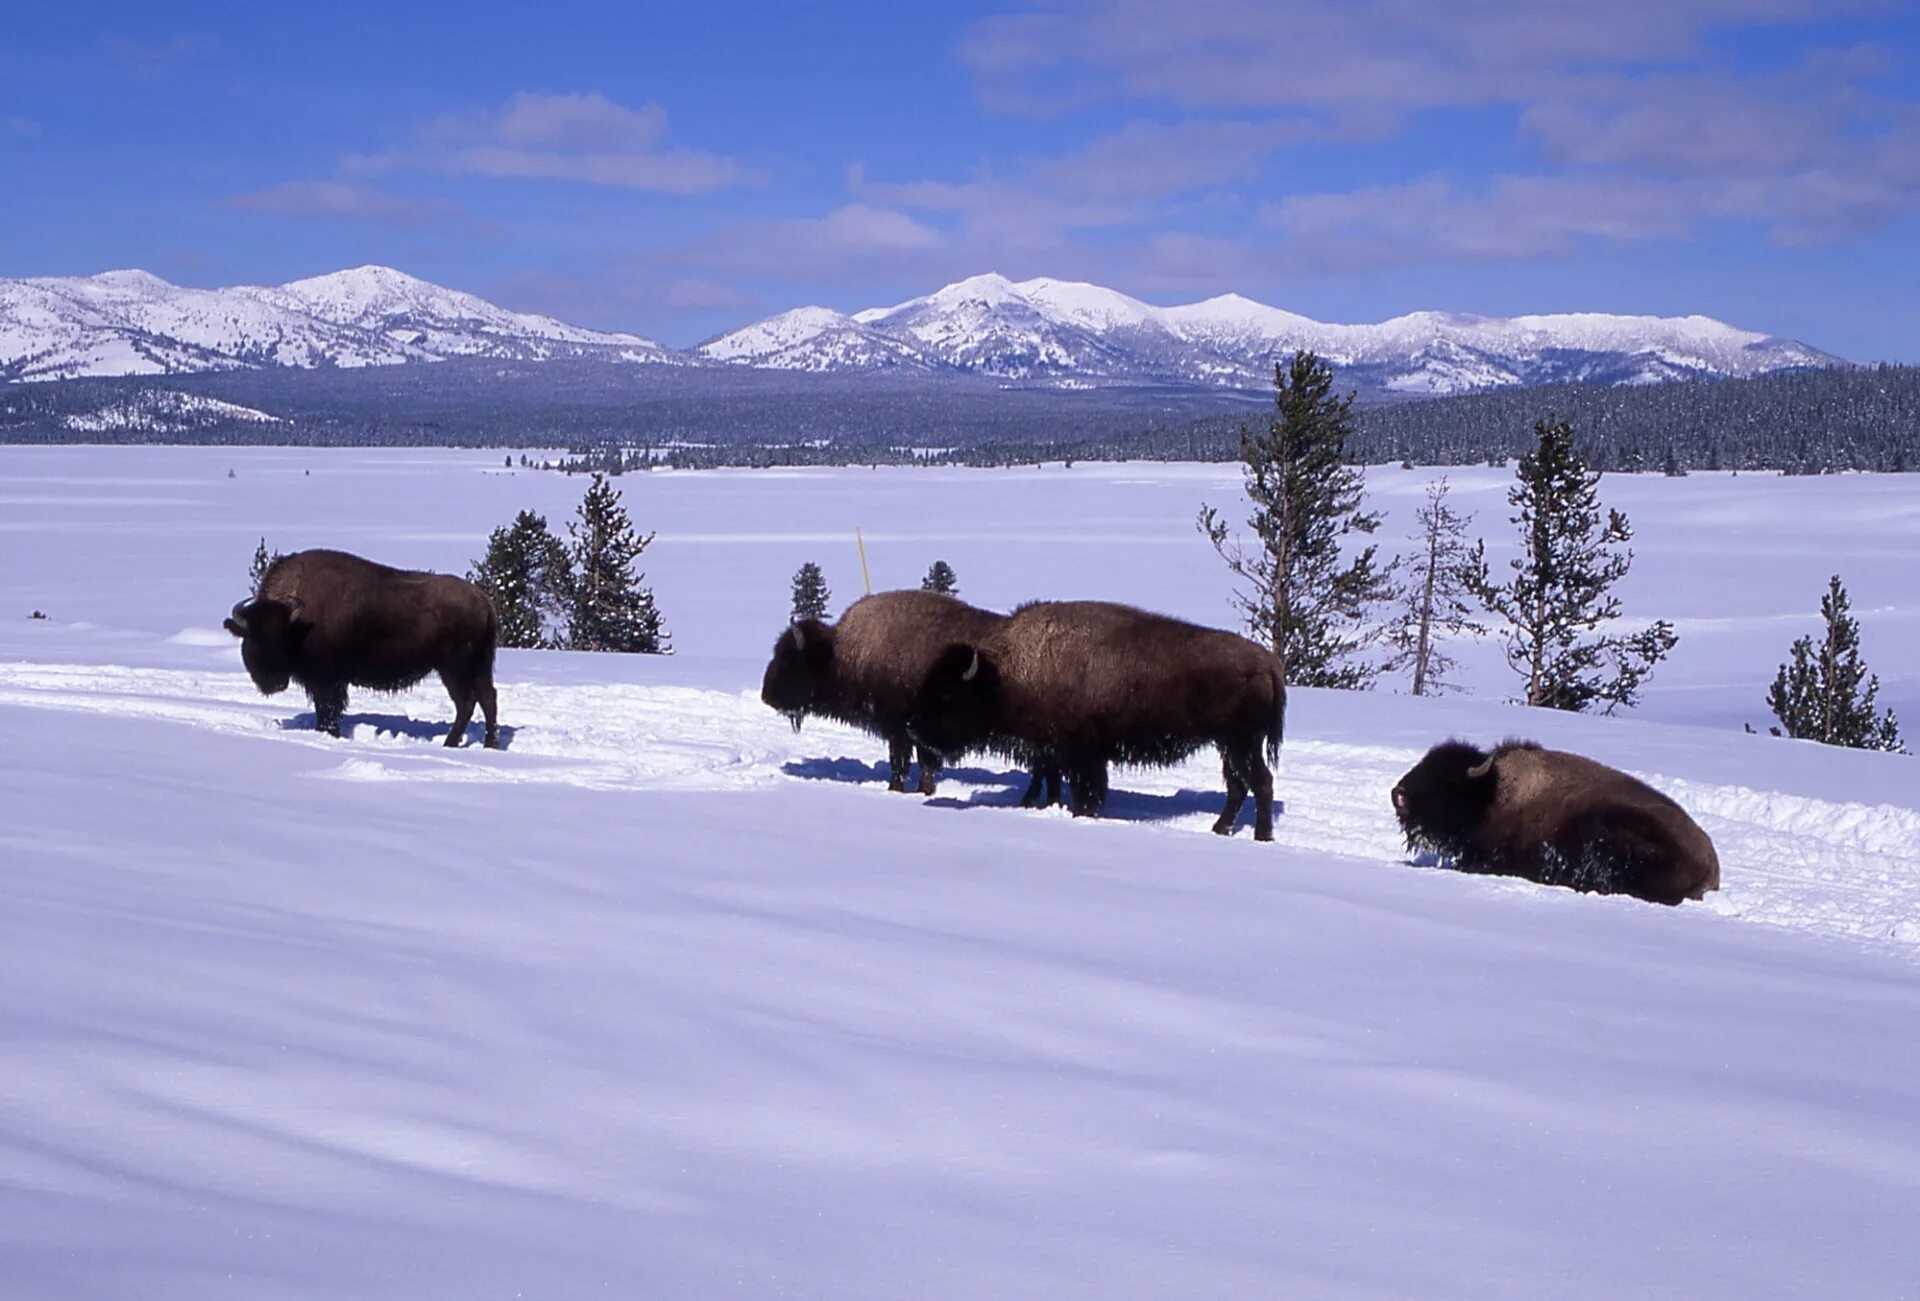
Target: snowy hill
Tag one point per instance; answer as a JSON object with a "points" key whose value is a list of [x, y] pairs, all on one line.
{"points": [[1035, 332], [1065, 332], [666, 1000], [134, 323]]}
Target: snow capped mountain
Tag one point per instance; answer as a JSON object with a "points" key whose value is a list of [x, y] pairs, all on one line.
{"points": [[135, 323], [1057, 331], [1032, 332]]}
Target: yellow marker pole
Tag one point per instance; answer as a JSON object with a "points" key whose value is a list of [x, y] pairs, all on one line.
{"points": [[865, 578]]}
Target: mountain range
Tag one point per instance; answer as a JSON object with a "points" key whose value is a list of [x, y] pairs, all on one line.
{"points": [[1032, 333]]}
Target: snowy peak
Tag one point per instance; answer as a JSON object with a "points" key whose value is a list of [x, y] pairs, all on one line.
{"points": [[132, 322], [1068, 332]]}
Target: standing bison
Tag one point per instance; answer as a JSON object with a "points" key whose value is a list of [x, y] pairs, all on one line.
{"points": [[1081, 684], [1554, 818], [864, 670], [328, 620]]}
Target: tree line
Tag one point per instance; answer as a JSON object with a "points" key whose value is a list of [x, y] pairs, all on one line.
{"points": [[1312, 587]]}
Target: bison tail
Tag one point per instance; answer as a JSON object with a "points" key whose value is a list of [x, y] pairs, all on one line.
{"points": [[1275, 733]]}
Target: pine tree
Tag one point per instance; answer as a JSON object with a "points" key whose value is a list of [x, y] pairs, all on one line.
{"points": [[262, 561], [1433, 596], [941, 578], [1303, 597], [1818, 694], [810, 594], [1558, 594], [610, 609], [525, 573]]}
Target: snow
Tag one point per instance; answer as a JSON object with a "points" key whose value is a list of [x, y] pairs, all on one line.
{"points": [[667, 1000]]}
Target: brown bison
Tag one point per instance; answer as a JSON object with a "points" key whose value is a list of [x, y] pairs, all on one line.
{"points": [[1077, 685], [1554, 818], [864, 670], [328, 620]]}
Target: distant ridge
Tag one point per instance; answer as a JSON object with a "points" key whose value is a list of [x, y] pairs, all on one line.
{"points": [[1033, 333]]}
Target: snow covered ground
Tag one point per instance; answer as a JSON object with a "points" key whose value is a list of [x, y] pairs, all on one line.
{"points": [[666, 1000]]}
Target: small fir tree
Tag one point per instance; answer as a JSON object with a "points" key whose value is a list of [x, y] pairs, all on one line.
{"points": [[1824, 692], [1303, 596], [810, 594], [1559, 592], [610, 608], [1433, 596], [262, 561], [941, 578], [525, 573]]}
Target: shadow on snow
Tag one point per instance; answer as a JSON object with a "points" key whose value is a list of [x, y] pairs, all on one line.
{"points": [[399, 725]]}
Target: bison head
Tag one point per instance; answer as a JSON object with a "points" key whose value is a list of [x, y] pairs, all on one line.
{"points": [[270, 634], [800, 675], [958, 705], [1443, 799]]}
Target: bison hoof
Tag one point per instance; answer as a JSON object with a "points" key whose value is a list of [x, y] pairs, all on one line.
{"points": [[926, 787], [1264, 835], [453, 741], [492, 742]]}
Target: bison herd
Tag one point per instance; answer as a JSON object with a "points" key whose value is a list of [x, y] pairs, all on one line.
{"points": [[1064, 688]]}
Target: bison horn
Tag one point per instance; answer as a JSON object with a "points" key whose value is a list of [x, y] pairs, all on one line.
{"points": [[1480, 769], [972, 668], [799, 638], [239, 614]]}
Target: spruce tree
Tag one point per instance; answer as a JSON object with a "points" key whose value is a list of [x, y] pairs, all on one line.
{"points": [[1559, 591], [941, 578], [610, 608], [262, 562], [525, 574], [1819, 693], [1432, 597], [810, 594], [1303, 596]]}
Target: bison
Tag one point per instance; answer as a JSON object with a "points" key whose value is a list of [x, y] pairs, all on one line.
{"points": [[1554, 818], [329, 620], [864, 671], [1077, 685]]}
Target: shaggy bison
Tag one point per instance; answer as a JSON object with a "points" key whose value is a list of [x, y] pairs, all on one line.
{"points": [[865, 669], [1077, 685], [1555, 818], [328, 620]]}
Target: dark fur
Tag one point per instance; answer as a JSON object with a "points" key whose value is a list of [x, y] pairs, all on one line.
{"points": [[864, 670], [1084, 684], [1555, 818], [328, 620]]}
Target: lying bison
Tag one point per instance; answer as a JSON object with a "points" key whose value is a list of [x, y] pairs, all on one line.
{"points": [[328, 620], [864, 670], [1078, 685], [1555, 818]]}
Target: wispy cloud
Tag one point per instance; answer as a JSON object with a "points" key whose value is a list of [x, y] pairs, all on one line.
{"points": [[351, 202], [150, 59], [585, 138], [18, 128]]}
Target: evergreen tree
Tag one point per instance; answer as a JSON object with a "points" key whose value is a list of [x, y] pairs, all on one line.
{"points": [[810, 594], [1433, 596], [1303, 597], [610, 609], [1558, 594], [525, 574], [941, 578], [1818, 694], [262, 562]]}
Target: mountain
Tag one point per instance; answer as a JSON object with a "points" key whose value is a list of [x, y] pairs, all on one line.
{"points": [[135, 323], [1063, 332], [1057, 334]]}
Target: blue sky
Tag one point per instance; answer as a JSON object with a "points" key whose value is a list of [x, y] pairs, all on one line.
{"points": [[678, 170]]}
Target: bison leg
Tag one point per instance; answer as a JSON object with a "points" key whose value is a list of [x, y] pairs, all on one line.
{"points": [[462, 715], [1043, 788], [490, 706], [329, 702], [1262, 797], [929, 769], [1089, 778], [899, 754], [1236, 796]]}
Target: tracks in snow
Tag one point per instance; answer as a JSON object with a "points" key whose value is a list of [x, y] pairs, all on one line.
{"points": [[1786, 860]]}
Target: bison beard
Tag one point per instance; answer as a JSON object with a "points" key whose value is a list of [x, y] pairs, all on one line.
{"points": [[329, 620], [1077, 686], [1554, 818]]}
